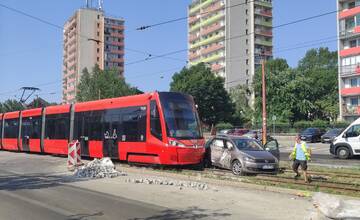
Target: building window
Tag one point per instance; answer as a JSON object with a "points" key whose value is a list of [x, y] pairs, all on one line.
{"points": [[98, 59], [247, 61], [246, 11], [354, 82], [354, 101], [247, 51], [97, 50], [246, 21], [353, 43], [247, 41], [98, 25], [247, 72], [98, 17]]}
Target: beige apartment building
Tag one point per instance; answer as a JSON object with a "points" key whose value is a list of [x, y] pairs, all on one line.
{"points": [[90, 38], [230, 36]]}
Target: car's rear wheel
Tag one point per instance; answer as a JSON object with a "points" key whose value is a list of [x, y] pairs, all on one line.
{"points": [[343, 152], [237, 168]]}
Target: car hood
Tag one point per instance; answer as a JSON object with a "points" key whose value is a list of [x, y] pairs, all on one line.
{"points": [[259, 154]]}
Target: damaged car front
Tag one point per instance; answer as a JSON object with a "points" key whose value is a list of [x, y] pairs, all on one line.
{"points": [[243, 155]]}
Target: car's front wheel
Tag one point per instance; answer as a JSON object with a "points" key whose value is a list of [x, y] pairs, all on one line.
{"points": [[237, 168], [343, 152]]}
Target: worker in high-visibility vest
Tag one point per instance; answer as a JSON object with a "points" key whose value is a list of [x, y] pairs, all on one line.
{"points": [[300, 155]]}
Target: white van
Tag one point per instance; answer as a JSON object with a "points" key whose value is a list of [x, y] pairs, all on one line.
{"points": [[347, 144]]}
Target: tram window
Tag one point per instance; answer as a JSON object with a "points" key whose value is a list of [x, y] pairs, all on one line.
{"points": [[134, 124], [11, 128], [31, 127], [57, 126], [155, 125]]}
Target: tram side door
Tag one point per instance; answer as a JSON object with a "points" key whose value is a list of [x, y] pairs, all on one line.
{"points": [[110, 141]]}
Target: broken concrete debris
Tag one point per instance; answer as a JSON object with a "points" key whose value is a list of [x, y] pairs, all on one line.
{"points": [[180, 184], [98, 169], [332, 207]]}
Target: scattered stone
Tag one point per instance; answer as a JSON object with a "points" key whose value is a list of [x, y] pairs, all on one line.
{"points": [[98, 169], [165, 182]]}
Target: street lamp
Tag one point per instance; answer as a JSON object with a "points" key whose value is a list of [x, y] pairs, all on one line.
{"points": [[263, 99]]}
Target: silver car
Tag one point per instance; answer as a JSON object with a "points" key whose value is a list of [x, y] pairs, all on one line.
{"points": [[242, 155]]}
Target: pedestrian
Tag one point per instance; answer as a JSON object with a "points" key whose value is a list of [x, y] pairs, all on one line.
{"points": [[300, 155]]}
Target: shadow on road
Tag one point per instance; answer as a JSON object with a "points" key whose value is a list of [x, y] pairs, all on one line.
{"points": [[12, 182], [190, 213]]}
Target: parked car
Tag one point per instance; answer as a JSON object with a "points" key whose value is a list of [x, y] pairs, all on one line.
{"points": [[347, 143], [311, 135], [257, 134], [242, 155], [238, 131], [329, 136]]}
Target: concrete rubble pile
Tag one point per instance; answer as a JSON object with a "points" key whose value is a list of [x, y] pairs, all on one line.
{"points": [[180, 184], [332, 207], [98, 169]]}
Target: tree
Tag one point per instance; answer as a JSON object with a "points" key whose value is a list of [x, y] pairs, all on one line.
{"points": [[11, 105], [101, 84], [308, 92], [214, 104], [241, 96]]}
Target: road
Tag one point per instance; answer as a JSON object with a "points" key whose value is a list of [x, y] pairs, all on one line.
{"points": [[320, 154], [39, 187]]}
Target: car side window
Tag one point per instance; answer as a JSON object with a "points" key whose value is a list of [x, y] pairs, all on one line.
{"points": [[354, 131], [229, 145], [218, 143]]}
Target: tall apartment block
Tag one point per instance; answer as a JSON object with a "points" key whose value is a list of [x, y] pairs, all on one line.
{"points": [[349, 58], [90, 38], [230, 36]]}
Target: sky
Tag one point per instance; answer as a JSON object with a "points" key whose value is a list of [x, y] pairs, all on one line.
{"points": [[31, 52]]}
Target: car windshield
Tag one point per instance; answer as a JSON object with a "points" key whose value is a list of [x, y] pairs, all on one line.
{"points": [[248, 145], [181, 117], [333, 131], [309, 131]]}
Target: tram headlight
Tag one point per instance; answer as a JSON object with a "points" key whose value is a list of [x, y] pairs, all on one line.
{"points": [[176, 143]]}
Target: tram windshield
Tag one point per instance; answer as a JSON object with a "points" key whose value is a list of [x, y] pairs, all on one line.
{"points": [[182, 121]]}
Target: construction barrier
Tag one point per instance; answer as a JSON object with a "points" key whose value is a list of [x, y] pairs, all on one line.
{"points": [[74, 155]]}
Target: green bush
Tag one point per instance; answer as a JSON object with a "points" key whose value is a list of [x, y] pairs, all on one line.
{"points": [[340, 124], [223, 125]]}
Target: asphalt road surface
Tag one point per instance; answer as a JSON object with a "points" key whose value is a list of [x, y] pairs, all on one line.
{"points": [[36, 187]]}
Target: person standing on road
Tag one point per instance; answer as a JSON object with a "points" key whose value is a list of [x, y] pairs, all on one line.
{"points": [[300, 155]]}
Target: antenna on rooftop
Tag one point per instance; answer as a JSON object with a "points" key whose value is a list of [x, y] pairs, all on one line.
{"points": [[101, 4]]}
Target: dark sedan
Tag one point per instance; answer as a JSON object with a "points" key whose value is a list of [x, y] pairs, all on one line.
{"points": [[311, 135], [330, 135], [242, 155]]}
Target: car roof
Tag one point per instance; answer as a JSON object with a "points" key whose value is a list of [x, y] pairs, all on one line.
{"points": [[232, 137]]}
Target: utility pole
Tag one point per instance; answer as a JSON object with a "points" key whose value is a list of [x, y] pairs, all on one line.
{"points": [[263, 102]]}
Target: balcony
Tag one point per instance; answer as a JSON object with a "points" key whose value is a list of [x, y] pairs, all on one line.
{"points": [[211, 28], [207, 41], [114, 34], [193, 19], [349, 70], [262, 12], [351, 110], [118, 27], [116, 43], [263, 3], [263, 22], [212, 58], [212, 19], [217, 67], [211, 49], [267, 33], [193, 56], [349, 12], [264, 52], [349, 51], [212, 8], [201, 5], [350, 91], [117, 52], [263, 42], [193, 37]]}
